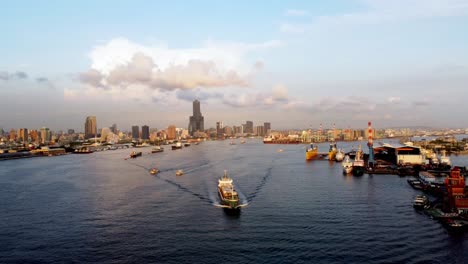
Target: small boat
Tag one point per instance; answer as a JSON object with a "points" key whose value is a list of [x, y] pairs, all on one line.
{"points": [[154, 171], [420, 202], [444, 160], [415, 183], [227, 194], [83, 150], [178, 145], [311, 151], [157, 149], [358, 164], [187, 144], [179, 172], [339, 155], [135, 154], [332, 151], [232, 142], [280, 150], [242, 141], [347, 165]]}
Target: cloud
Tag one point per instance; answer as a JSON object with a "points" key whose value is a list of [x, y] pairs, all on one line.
{"points": [[190, 95], [423, 102], [293, 28], [277, 97], [121, 64], [394, 100], [19, 75], [296, 13]]}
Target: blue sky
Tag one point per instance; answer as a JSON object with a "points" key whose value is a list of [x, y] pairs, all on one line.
{"points": [[294, 63]]}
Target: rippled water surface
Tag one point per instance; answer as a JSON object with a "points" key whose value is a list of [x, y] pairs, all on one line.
{"points": [[103, 208]]}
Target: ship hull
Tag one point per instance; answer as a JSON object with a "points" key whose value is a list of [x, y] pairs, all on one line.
{"points": [[228, 204], [358, 170], [311, 154]]}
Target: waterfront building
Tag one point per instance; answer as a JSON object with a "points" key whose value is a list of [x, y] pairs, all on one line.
{"points": [[260, 131], [228, 131], [71, 131], [266, 128], [90, 127], [135, 132], [46, 135], [13, 136], [238, 130], [171, 132], [249, 127], [196, 121], [23, 135], [113, 129], [145, 132]]}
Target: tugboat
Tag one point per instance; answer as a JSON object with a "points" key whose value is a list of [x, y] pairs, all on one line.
{"points": [[311, 152], [228, 196], [332, 151], [178, 145], [339, 155], [358, 164], [157, 149], [154, 171], [135, 154], [347, 165]]}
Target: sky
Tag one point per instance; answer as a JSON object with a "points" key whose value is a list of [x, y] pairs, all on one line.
{"points": [[296, 64]]}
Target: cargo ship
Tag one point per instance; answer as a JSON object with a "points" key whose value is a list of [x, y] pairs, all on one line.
{"points": [[311, 152], [227, 195]]}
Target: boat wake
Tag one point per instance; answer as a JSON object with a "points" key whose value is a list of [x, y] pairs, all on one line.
{"points": [[260, 186]]}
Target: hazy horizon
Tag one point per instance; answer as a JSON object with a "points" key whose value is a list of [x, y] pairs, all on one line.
{"points": [[295, 64]]}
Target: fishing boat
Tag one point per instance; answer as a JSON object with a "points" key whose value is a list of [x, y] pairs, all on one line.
{"points": [[228, 196], [332, 151], [154, 171], [358, 163], [157, 149], [135, 154], [179, 172], [311, 152], [347, 165], [178, 145], [420, 202], [339, 155]]}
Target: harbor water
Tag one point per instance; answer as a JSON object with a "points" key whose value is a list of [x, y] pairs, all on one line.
{"points": [[104, 208]]}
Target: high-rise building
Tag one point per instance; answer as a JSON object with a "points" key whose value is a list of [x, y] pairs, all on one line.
{"points": [[196, 121], [145, 132], [266, 128], [219, 129], [249, 127], [260, 131], [34, 135], [90, 127], [23, 135], [113, 129], [135, 132], [45, 135], [13, 136], [171, 132], [71, 131]]}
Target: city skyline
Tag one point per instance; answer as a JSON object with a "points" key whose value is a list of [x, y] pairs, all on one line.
{"points": [[296, 64]]}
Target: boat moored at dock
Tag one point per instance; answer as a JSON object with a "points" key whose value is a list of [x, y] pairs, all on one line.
{"points": [[332, 151], [420, 202], [311, 152], [358, 164], [347, 165], [339, 155]]}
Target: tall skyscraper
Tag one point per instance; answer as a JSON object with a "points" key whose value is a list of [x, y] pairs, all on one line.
{"points": [[24, 135], [71, 131], [46, 135], [113, 129], [266, 128], [249, 127], [135, 132], [90, 127], [196, 121], [145, 132], [171, 132], [220, 129]]}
